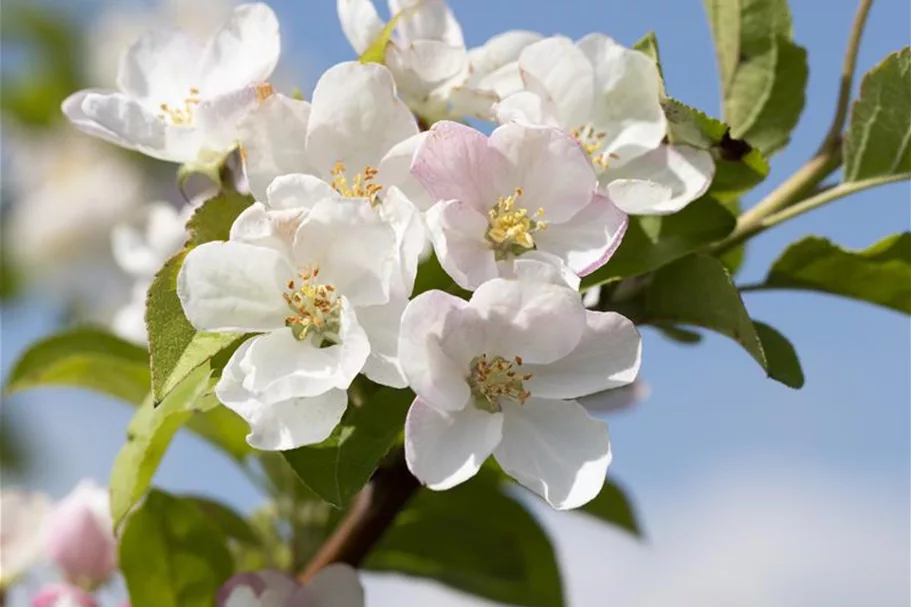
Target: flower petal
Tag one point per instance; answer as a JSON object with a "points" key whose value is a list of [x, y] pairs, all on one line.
{"points": [[395, 171], [383, 324], [589, 238], [232, 286], [555, 449], [540, 322], [336, 585], [431, 372], [263, 227], [426, 19], [243, 51], [360, 23], [608, 356], [552, 169], [161, 66], [527, 107], [423, 65], [540, 266], [410, 236], [272, 138], [557, 71], [443, 449], [500, 50], [356, 118], [457, 231], [662, 181], [298, 191], [217, 119]]}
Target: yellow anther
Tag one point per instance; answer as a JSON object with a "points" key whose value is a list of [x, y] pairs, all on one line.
{"points": [[263, 91], [492, 379], [511, 228], [316, 308], [181, 115], [361, 186], [592, 141]]}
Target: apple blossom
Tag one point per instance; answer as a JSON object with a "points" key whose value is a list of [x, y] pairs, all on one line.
{"points": [[22, 517], [80, 535], [316, 279], [609, 98], [63, 595], [524, 190], [333, 586], [178, 101], [500, 374]]}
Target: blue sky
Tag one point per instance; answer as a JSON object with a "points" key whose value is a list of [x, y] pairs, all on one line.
{"points": [[716, 436]]}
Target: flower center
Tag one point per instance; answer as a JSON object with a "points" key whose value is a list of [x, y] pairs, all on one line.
{"points": [[511, 228], [494, 378], [592, 141], [181, 115], [361, 186], [315, 308]]}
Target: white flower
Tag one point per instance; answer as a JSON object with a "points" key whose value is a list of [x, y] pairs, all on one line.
{"points": [[314, 275], [22, 517], [608, 97], [357, 136], [524, 191], [426, 52], [179, 102], [336, 585], [500, 374], [140, 249]]}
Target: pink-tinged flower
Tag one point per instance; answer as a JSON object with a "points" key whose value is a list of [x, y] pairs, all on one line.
{"points": [[80, 535], [63, 595], [524, 189], [22, 517], [501, 374], [335, 586]]}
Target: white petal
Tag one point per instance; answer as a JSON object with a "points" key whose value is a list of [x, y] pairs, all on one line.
{"points": [[395, 171], [284, 424], [360, 22], [426, 19], [662, 181], [431, 372], [627, 107], [500, 50], [540, 266], [423, 65], [243, 51], [356, 118], [555, 449], [231, 286], [356, 251], [443, 449], [540, 322], [608, 356], [523, 106], [556, 70], [272, 136], [298, 191], [124, 121], [161, 66], [555, 174], [383, 325], [410, 236], [142, 249], [457, 231], [589, 239], [218, 118], [263, 227], [335, 586]]}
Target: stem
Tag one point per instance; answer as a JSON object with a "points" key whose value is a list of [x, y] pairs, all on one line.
{"points": [[372, 513]]}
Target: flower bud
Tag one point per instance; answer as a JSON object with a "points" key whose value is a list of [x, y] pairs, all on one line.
{"points": [[334, 586], [80, 536], [22, 517], [63, 595]]}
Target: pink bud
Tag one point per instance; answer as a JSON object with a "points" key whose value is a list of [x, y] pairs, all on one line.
{"points": [[80, 535], [63, 595]]}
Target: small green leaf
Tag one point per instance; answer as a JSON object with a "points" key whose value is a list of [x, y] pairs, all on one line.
{"points": [[697, 290], [679, 334], [778, 350], [648, 44], [86, 357], [651, 242], [879, 274], [337, 468], [878, 140], [148, 436], [733, 258], [172, 555], [612, 506], [476, 539], [225, 518]]}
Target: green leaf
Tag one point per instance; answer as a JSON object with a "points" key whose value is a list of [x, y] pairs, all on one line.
{"points": [[651, 242], [697, 290], [172, 555], [337, 468], [612, 506], [476, 539], [176, 348], [86, 357], [763, 73], [878, 139], [879, 274], [148, 436], [679, 334], [733, 258], [224, 429], [376, 52], [228, 520], [648, 44], [777, 348]]}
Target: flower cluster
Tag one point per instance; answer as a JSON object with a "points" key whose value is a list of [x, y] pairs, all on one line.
{"points": [[355, 186]]}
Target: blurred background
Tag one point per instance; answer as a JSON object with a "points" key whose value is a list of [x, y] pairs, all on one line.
{"points": [[750, 493]]}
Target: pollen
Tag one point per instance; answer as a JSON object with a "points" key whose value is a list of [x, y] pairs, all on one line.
{"points": [[361, 185], [263, 91], [592, 141], [511, 228], [181, 115], [315, 308], [492, 379]]}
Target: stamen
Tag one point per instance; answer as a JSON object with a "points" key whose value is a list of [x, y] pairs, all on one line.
{"points": [[511, 228], [316, 308], [592, 141], [492, 379], [181, 115], [361, 186]]}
